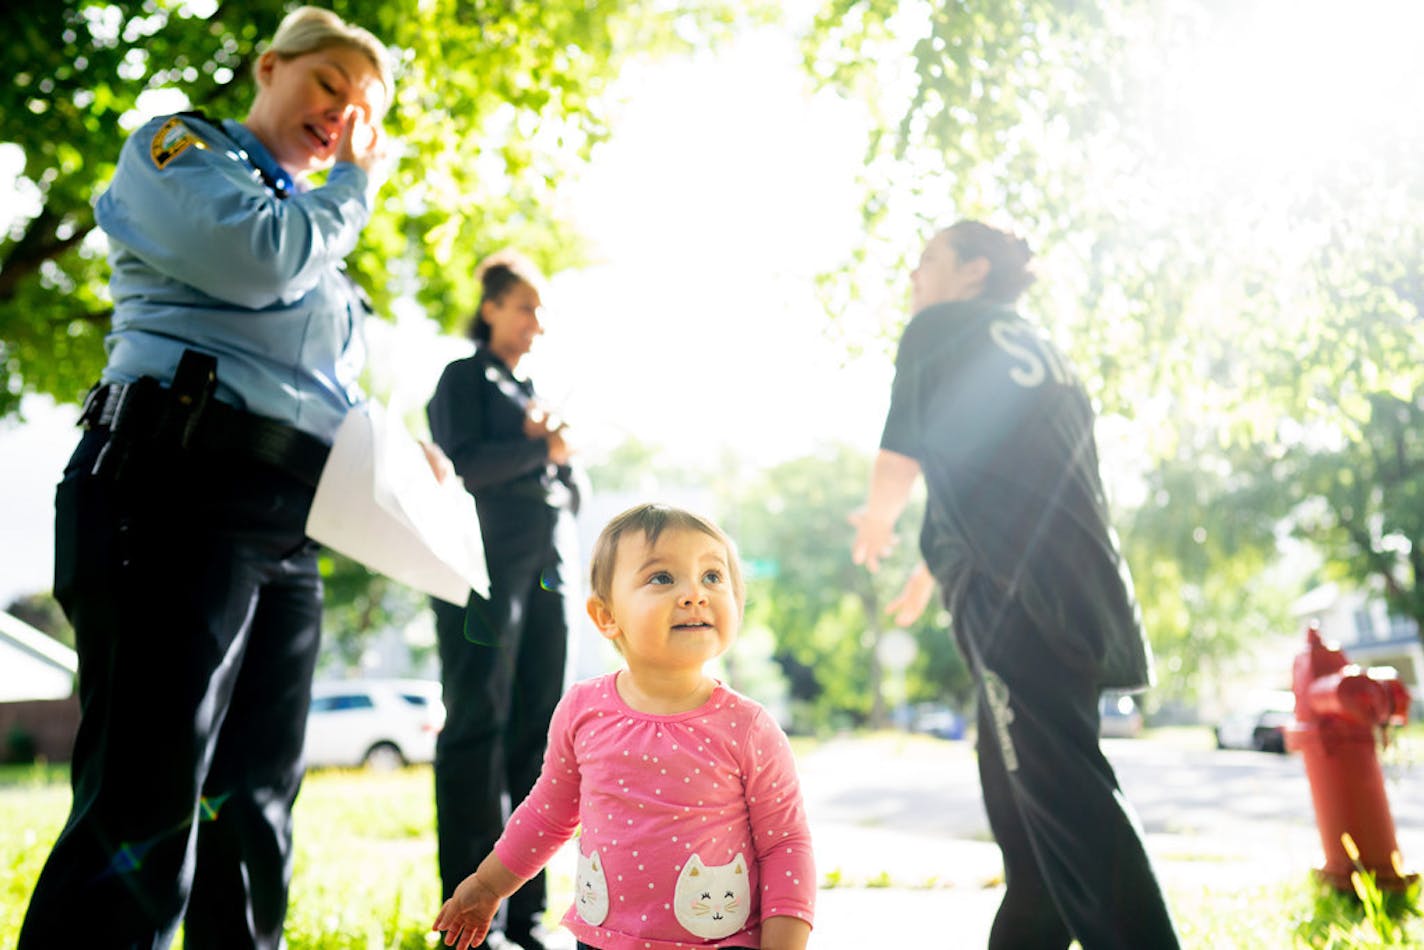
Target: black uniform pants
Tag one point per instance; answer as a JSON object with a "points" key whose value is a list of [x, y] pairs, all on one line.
{"points": [[1074, 861], [502, 672], [196, 607]]}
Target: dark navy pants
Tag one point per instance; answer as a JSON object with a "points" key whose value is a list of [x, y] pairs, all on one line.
{"points": [[196, 606], [502, 665], [1074, 861]]}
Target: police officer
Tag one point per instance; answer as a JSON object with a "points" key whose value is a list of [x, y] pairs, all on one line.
{"points": [[502, 660], [1016, 534], [180, 554]]}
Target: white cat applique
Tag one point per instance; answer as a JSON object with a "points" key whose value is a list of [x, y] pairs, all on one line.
{"points": [[591, 889], [713, 901]]}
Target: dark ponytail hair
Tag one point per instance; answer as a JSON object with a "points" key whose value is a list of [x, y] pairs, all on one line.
{"points": [[499, 273], [1008, 256]]}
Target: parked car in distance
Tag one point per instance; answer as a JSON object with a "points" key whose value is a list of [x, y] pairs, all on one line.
{"points": [[933, 719], [1119, 717], [1259, 722], [382, 724]]}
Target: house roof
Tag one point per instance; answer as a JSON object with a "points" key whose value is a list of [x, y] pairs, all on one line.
{"points": [[19, 635], [1317, 600]]}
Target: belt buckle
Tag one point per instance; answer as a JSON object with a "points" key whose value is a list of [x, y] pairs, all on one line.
{"points": [[102, 405], [113, 407], [93, 406]]}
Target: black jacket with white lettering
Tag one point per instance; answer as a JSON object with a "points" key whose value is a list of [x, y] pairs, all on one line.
{"points": [[1016, 514]]}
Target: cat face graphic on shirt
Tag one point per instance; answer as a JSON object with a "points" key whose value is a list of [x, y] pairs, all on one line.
{"points": [[712, 901], [591, 889]]}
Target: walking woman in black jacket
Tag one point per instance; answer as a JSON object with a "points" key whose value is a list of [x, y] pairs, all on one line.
{"points": [[502, 659]]}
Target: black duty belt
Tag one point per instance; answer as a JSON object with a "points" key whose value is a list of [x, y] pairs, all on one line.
{"points": [[141, 410]]}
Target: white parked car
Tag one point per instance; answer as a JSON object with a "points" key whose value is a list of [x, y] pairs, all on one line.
{"points": [[379, 723], [1259, 722], [1119, 717]]}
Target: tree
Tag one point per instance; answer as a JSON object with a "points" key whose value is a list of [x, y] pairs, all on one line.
{"points": [[43, 612], [359, 604], [495, 105], [1363, 503], [1202, 546], [636, 465], [827, 613], [1229, 245]]}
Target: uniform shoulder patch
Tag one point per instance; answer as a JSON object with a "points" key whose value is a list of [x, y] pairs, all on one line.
{"points": [[172, 140]]}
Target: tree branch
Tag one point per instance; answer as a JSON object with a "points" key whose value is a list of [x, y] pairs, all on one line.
{"points": [[1378, 560], [37, 245]]}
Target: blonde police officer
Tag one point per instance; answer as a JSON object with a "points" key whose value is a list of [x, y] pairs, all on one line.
{"points": [[180, 554]]}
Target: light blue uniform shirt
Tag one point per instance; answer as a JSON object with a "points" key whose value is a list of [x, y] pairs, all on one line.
{"points": [[207, 256]]}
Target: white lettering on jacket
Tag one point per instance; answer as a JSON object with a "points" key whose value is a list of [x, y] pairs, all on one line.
{"points": [[1036, 362]]}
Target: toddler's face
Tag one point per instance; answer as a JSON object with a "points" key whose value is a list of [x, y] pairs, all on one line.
{"points": [[671, 604]]}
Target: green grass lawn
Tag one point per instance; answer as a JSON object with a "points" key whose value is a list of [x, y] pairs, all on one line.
{"points": [[365, 875]]}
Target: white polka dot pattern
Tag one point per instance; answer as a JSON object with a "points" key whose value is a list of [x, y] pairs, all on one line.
{"points": [[633, 778]]}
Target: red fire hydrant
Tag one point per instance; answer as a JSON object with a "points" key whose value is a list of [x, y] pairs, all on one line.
{"points": [[1338, 710]]}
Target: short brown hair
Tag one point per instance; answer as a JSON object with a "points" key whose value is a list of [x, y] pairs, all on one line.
{"points": [[651, 520]]}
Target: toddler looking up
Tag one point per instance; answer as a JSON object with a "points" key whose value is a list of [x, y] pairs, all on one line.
{"points": [[693, 829]]}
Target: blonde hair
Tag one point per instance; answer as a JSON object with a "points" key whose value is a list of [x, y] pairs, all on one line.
{"points": [[652, 520], [309, 29]]}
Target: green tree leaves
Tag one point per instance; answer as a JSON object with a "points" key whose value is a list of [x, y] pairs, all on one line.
{"points": [[828, 614], [1225, 210], [495, 105]]}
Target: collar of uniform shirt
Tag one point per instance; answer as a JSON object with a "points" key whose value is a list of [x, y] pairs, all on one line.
{"points": [[273, 174]]}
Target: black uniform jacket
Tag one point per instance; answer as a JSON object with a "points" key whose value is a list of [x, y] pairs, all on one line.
{"points": [[1003, 432], [477, 418]]}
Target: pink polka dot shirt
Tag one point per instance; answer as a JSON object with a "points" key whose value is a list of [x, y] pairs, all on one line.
{"points": [[693, 828]]}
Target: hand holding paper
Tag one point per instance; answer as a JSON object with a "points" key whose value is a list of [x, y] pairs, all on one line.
{"points": [[379, 503]]}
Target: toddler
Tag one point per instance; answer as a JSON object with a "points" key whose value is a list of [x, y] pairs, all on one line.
{"points": [[693, 830]]}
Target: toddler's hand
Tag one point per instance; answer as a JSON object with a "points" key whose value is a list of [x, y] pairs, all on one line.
{"points": [[466, 916]]}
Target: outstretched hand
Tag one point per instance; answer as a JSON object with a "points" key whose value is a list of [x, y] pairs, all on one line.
{"points": [[912, 600], [874, 540], [465, 917]]}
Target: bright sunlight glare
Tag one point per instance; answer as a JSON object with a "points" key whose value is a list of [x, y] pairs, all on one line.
{"points": [[1284, 88]]}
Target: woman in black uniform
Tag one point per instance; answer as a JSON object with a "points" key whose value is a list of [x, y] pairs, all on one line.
{"points": [[1016, 536], [502, 659]]}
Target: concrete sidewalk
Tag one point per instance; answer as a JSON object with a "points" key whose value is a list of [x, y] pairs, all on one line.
{"points": [[906, 861], [905, 890]]}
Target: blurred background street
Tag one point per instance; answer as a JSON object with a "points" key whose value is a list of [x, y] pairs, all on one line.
{"points": [[900, 822]]}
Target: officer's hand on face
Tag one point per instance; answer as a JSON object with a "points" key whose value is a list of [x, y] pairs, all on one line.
{"points": [[361, 142]]}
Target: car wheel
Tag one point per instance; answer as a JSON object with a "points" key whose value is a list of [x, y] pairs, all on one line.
{"points": [[383, 757], [1219, 743], [1261, 740]]}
